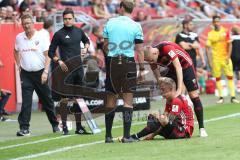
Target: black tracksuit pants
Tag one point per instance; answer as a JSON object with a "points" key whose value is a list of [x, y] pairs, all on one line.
{"points": [[31, 81]]}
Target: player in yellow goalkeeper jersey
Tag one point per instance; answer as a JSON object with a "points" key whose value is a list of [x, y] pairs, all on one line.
{"points": [[219, 42]]}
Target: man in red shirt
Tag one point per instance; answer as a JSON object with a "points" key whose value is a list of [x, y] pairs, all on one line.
{"points": [[177, 120], [180, 66]]}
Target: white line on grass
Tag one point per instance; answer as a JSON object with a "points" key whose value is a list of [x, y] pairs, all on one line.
{"points": [[35, 142], [99, 142]]}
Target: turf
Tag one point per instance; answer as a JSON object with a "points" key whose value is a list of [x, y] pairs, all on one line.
{"points": [[223, 142]]}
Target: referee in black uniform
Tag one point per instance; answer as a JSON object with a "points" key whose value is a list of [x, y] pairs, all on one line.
{"points": [[121, 36], [68, 41], [31, 55]]}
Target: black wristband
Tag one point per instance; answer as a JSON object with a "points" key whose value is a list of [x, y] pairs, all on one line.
{"points": [[141, 69]]}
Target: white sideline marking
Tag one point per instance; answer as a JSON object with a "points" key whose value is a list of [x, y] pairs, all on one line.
{"points": [[34, 142], [99, 142], [58, 150]]}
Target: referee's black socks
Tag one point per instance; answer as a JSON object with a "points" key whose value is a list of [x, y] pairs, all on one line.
{"points": [[198, 109], [127, 121], [109, 117]]}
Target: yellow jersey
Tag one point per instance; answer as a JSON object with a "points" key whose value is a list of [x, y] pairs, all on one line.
{"points": [[218, 41]]}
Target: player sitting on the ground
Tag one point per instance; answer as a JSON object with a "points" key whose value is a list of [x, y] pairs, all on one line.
{"points": [[177, 120]]}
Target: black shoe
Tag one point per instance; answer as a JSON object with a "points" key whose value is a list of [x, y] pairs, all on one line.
{"points": [[56, 129], [234, 100], [3, 119], [65, 131], [4, 112], [23, 132], [82, 130], [134, 136], [109, 140], [129, 140]]}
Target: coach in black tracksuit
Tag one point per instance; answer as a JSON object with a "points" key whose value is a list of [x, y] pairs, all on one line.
{"points": [[68, 40]]}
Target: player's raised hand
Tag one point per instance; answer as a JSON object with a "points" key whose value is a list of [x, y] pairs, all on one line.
{"points": [[63, 66]]}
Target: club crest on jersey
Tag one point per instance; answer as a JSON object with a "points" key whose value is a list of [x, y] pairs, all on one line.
{"points": [[172, 54], [174, 108], [67, 36], [36, 43], [194, 80]]}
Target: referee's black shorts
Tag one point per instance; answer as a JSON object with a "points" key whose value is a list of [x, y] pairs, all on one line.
{"points": [[121, 74], [189, 78]]}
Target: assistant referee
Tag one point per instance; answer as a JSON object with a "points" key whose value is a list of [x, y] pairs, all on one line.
{"points": [[121, 35]]}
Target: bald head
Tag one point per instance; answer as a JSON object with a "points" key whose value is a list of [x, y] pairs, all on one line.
{"points": [[150, 54]]}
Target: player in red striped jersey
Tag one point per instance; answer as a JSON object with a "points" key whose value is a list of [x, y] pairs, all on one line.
{"points": [[180, 66], [177, 120]]}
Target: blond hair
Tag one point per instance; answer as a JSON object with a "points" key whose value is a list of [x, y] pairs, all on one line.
{"points": [[166, 81]]}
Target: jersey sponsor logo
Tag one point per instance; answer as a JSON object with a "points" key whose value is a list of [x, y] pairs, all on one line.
{"points": [[171, 53], [175, 108], [67, 36], [36, 43]]}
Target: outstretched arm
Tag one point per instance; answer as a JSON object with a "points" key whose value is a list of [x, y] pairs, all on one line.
{"points": [[179, 73]]}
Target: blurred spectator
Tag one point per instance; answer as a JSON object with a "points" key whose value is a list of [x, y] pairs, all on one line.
{"points": [[12, 3], [49, 4], [4, 96], [37, 13], [9, 14], [111, 6], [97, 32], [71, 2], [233, 8], [45, 14], [207, 10], [3, 14], [15, 18], [47, 29], [219, 5], [142, 16], [162, 8], [100, 9], [28, 3], [24, 9]]}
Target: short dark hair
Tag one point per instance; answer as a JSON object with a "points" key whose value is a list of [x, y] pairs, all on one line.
{"points": [[128, 5], [186, 21], [47, 23], [68, 11], [216, 17]]}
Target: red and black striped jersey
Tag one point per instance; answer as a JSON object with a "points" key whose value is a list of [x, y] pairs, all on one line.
{"points": [[182, 111], [168, 52]]}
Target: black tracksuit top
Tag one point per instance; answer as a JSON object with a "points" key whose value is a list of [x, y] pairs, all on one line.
{"points": [[68, 40]]}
